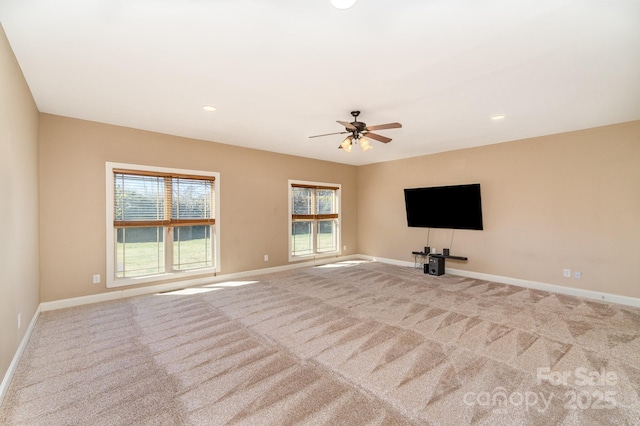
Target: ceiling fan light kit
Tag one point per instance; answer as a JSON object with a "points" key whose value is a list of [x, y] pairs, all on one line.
{"points": [[364, 144], [346, 144], [360, 133]]}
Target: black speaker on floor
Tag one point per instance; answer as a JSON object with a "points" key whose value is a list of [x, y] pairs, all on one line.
{"points": [[435, 265]]}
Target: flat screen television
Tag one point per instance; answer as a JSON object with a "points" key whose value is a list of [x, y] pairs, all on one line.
{"points": [[453, 207]]}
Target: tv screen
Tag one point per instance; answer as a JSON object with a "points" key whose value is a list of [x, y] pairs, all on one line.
{"points": [[454, 207]]}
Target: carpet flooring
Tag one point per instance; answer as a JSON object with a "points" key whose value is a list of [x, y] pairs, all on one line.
{"points": [[358, 343]]}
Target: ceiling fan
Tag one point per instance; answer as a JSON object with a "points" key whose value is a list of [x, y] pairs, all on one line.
{"points": [[360, 133]]}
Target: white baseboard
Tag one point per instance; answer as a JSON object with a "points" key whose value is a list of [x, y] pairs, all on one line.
{"points": [[389, 261], [119, 294], [589, 294], [4, 386], [195, 282]]}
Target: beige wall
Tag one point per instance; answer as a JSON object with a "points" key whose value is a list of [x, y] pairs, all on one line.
{"points": [[570, 200], [19, 204], [555, 202], [253, 197]]}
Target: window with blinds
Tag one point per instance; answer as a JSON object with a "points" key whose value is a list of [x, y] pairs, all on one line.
{"points": [[163, 222], [314, 219]]}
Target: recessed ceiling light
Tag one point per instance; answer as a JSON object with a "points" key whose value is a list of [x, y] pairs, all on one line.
{"points": [[209, 108], [498, 117], [343, 4]]}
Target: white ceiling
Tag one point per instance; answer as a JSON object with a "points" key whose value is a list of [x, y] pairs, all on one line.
{"points": [[281, 70]]}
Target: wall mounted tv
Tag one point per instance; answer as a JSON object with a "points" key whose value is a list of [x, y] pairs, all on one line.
{"points": [[454, 207]]}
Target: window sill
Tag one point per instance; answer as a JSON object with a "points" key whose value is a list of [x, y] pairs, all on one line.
{"points": [[170, 276], [300, 258]]}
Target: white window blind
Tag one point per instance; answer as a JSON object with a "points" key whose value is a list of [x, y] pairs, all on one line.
{"points": [[158, 199]]}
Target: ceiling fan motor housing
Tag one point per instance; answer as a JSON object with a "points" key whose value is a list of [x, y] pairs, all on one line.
{"points": [[357, 124]]}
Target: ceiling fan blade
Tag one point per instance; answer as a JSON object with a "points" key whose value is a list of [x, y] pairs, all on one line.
{"points": [[328, 134], [347, 125], [379, 138], [384, 126]]}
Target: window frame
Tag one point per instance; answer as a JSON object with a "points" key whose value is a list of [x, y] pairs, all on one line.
{"points": [[316, 218], [111, 280]]}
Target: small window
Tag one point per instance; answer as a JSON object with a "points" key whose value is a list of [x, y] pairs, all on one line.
{"points": [[161, 222], [314, 219]]}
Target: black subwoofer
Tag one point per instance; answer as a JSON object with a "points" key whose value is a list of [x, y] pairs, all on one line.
{"points": [[435, 266]]}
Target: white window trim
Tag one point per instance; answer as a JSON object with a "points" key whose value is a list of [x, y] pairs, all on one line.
{"points": [[111, 280], [339, 226]]}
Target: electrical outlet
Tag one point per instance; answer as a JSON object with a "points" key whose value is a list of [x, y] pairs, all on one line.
{"points": [[19, 321], [344, 248], [96, 279], [566, 273], [266, 257], [577, 275]]}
